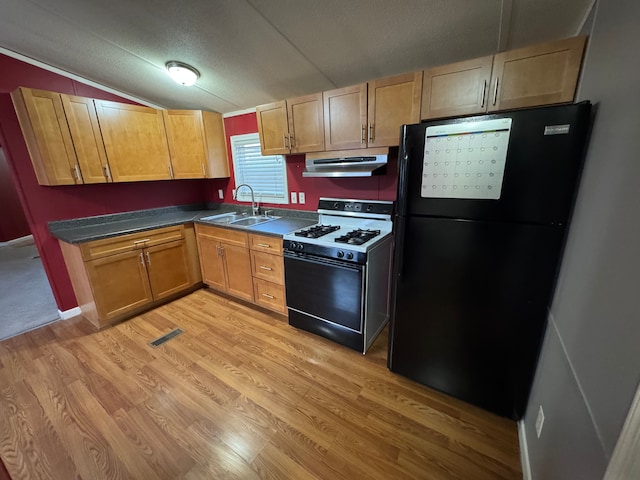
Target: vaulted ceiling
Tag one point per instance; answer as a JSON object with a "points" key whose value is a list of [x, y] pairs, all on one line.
{"points": [[251, 52]]}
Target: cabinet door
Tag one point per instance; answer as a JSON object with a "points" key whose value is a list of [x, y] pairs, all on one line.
{"points": [[185, 136], [238, 271], [267, 267], [216, 144], [211, 262], [270, 295], [345, 117], [46, 132], [273, 128], [135, 141], [120, 283], [538, 75], [306, 123], [392, 102], [168, 268], [87, 138], [458, 89]]}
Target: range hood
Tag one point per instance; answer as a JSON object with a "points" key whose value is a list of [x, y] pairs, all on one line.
{"points": [[345, 163]]}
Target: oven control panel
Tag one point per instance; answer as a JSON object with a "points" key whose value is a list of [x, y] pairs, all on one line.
{"points": [[325, 251], [375, 208]]}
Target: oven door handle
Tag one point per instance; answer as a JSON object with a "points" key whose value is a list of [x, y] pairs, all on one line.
{"points": [[323, 261]]}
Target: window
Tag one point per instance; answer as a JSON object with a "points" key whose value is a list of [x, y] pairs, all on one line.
{"points": [[266, 175]]}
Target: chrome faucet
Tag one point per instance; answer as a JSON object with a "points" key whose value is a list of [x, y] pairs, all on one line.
{"points": [[255, 209]]}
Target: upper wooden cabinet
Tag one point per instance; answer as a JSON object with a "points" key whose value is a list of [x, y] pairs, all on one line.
{"points": [[392, 102], [46, 133], [538, 75], [135, 141], [196, 144], [345, 117], [370, 115], [87, 138], [292, 126]]}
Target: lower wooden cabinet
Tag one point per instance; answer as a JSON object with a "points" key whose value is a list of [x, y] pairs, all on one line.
{"points": [[117, 277], [267, 269], [225, 261]]}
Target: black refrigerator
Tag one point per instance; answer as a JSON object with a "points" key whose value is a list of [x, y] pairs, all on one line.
{"points": [[482, 211]]}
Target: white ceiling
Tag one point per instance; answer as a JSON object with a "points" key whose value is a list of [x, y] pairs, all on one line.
{"points": [[251, 52]]}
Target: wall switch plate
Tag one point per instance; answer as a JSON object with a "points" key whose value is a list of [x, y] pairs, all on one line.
{"points": [[294, 197], [301, 197], [539, 421], [220, 193]]}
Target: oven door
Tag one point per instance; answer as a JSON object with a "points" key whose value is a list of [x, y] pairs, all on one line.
{"points": [[327, 289]]}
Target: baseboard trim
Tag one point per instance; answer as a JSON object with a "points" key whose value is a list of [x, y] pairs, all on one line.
{"points": [[524, 452], [73, 312]]}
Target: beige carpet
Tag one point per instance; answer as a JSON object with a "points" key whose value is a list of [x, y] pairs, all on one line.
{"points": [[26, 301]]}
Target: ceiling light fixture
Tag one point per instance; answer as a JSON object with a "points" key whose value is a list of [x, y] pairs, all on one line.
{"points": [[182, 73]]}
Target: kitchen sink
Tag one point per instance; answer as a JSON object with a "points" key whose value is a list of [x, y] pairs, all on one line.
{"points": [[238, 220]]}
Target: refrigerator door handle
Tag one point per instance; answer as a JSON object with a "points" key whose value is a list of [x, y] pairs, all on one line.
{"points": [[399, 247]]}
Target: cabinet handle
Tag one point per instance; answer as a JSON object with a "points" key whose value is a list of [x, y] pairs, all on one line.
{"points": [[286, 140], [292, 141], [484, 93], [264, 245], [107, 172], [170, 171], [148, 259], [371, 132], [495, 92], [204, 172], [142, 259], [363, 137], [270, 297], [262, 267], [78, 174], [136, 242], [221, 251]]}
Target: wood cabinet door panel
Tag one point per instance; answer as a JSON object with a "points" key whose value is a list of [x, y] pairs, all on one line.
{"points": [[125, 243], [273, 128], [135, 141], [345, 117], [238, 271], [538, 75], [87, 138], [216, 144], [168, 268], [393, 102], [120, 283], [226, 235], [211, 262], [187, 148], [306, 123], [270, 295], [267, 267], [44, 125], [458, 89]]}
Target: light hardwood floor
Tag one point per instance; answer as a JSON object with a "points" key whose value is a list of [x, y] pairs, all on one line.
{"points": [[240, 394]]}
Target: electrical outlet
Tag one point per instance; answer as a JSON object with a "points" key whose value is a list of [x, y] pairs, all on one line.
{"points": [[301, 197], [220, 193], [294, 197], [539, 421]]}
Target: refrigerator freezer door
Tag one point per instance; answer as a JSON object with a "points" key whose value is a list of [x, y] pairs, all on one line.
{"points": [[543, 163], [470, 307]]}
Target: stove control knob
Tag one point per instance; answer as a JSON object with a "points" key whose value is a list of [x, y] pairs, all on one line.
{"points": [[340, 254], [300, 246], [349, 256]]}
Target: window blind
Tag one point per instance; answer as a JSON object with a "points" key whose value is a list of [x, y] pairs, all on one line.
{"points": [[267, 175]]}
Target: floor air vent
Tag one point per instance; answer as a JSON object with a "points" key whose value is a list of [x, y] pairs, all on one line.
{"points": [[166, 337]]}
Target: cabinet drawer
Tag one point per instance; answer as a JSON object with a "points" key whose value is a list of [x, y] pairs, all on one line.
{"points": [[265, 243], [124, 243], [267, 267], [269, 295], [226, 235]]}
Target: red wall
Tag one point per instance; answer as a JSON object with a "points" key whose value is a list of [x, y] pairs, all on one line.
{"points": [[44, 204], [381, 187], [13, 223]]}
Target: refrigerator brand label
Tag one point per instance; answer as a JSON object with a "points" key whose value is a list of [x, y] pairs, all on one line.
{"points": [[556, 129], [465, 160]]}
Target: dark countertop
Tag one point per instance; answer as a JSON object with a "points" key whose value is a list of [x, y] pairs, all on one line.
{"points": [[86, 229]]}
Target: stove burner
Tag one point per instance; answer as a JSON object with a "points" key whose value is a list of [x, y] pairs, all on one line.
{"points": [[358, 237], [316, 231]]}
